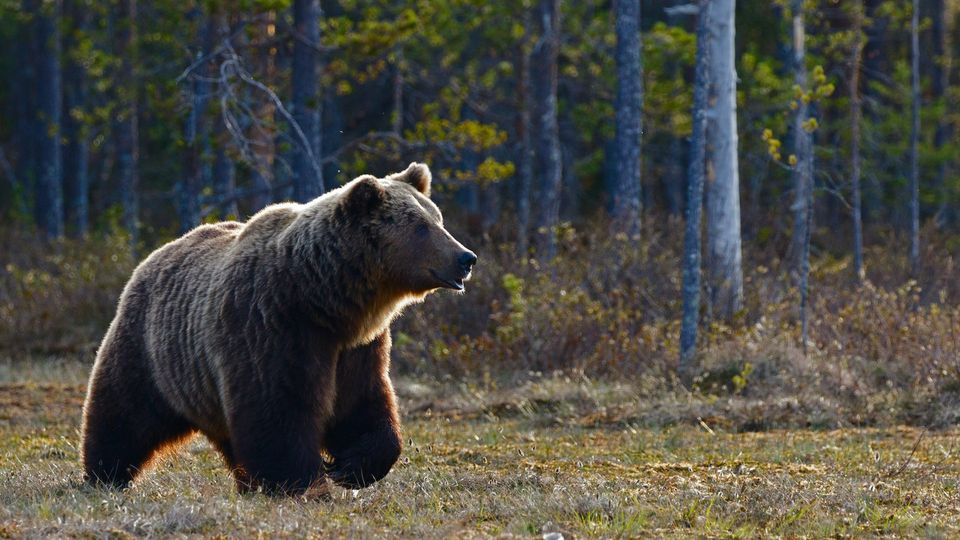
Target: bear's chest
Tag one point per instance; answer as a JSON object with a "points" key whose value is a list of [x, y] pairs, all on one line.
{"points": [[378, 317]]}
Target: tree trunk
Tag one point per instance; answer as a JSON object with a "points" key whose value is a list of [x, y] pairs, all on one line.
{"points": [[802, 170], [802, 175], [804, 284], [697, 165], [8, 172], [48, 198], [544, 79], [526, 150], [674, 181], [196, 130], [76, 151], [915, 137], [224, 181], [940, 78], [307, 102], [224, 173], [724, 265], [628, 108], [332, 136], [127, 129], [397, 120], [856, 115], [28, 133]]}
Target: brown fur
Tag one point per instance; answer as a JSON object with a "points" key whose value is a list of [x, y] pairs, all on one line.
{"points": [[272, 338]]}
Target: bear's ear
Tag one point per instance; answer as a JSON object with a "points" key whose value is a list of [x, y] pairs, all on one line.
{"points": [[365, 195], [417, 175]]}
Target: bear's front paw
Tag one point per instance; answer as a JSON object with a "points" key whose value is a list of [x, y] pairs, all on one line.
{"points": [[352, 470]]}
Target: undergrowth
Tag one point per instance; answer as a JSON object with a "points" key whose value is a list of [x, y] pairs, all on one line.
{"points": [[883, 351]]}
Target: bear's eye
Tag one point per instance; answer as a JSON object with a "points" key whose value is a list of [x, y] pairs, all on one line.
{"points": [[422, 230]]}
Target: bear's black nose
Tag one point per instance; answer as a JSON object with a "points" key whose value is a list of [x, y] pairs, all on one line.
{"points": [[467, 259]]}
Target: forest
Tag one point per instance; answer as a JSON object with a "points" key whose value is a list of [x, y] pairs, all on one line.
{"points": [[718, 240]]}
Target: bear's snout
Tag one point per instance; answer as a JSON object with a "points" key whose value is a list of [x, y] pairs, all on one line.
{"points": [[467, 259]]}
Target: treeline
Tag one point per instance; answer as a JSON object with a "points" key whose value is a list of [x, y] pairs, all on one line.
{"points": [[796, 125]]}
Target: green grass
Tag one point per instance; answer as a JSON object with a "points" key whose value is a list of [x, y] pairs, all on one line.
{"points": [[509, 462]]}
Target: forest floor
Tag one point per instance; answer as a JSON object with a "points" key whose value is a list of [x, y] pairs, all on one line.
{"points": [[500, 467]]}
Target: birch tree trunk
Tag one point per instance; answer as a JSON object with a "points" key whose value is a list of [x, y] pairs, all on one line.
{"points": [[724, 259], [628, 106], [695, 173], [544, 78], [802, 143], [915, 137], [307, 103], [48, 197]]}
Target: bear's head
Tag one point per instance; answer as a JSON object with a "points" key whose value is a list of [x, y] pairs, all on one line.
{"points": [[419, 254]]}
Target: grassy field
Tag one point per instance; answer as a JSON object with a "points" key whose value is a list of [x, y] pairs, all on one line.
{"points": [[509, 462]]}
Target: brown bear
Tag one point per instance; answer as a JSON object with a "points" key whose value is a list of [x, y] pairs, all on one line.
{"points": [[272, 338]]}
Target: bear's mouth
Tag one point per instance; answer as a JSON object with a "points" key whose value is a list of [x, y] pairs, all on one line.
{"points": [[455, 284]]}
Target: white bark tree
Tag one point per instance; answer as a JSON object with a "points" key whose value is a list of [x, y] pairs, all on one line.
{"points": [[802, 141], [724, 260]]}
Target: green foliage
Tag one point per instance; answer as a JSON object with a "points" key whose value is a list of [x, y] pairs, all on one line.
{"points": [[668, 54]]}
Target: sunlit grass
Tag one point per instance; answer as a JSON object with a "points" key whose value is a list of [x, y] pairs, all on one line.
{"points": [[508, 465]]}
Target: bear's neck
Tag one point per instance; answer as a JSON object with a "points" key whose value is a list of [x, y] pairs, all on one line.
{"points": [[337, 283]]}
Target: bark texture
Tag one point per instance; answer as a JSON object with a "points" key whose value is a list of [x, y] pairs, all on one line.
{"points": [[724, 259], [628, 106]]}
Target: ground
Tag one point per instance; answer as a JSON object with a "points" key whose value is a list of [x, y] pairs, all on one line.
{"points": [[482, 463]]}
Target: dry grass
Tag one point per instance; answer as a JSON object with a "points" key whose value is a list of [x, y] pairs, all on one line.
{"points": [[556, 454]]}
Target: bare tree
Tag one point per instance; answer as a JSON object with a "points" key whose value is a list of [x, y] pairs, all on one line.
{"points": [[307, 102], [544, 79], [628, 106], [724, 259], [856, 114], [695, 174], [915, 136]]}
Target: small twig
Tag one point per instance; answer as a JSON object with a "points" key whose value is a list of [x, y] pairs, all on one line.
{"points": [[234, 62], [906, 462]]}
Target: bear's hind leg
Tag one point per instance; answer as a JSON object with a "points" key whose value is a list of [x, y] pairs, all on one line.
{"points": [[279, 454], [126, 421]]}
